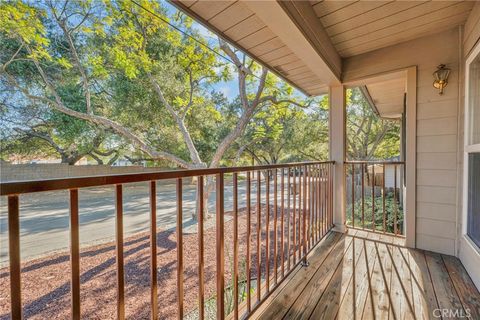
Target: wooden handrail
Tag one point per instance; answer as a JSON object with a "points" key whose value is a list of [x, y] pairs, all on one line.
{"points": [[373, 162], [30, 186], [303, 225]]}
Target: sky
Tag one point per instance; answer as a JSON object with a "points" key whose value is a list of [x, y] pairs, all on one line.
{"points": [[228, 88]]}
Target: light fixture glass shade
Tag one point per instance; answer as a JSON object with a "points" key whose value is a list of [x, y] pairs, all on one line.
{"points": [[441, 77]]}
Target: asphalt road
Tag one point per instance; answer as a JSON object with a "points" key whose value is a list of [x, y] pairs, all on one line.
{"points": [[44, 217]]}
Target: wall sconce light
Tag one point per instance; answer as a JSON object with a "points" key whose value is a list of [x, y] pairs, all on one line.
{"points": [[441, 77]]}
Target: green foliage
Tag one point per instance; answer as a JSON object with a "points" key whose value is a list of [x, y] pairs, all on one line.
{"points": [[120, 51], [283, 133], [369, 136], [392, 208], [24, 22]]}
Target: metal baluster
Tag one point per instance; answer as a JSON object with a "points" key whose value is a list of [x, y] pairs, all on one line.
{"points": [[201, 248], [235, 246], [288, 219], [267, 231], [363, 195], [259, 237], [220, 246], [119, 247], [14, 253], [282, 223], [180, 292], [305, 177], [373, 198], [153, 250], [383, 201], [353, 195], [249, 226], [294, 222], [75, 254], [275, 243], [395, 200]]}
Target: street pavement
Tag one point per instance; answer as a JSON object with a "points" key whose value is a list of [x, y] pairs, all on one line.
{"points": [[44, 217]]}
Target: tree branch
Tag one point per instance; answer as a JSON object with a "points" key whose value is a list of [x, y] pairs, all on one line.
{"points": [[58, 105], [194, 156], [42, 136], [76, 59], [273, 99]]}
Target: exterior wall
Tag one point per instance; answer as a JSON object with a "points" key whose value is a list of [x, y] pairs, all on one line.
{"points": [[437, 130], [471, 34], [468, 253]]}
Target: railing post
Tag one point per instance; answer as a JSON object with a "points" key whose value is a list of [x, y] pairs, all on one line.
{"points": [[74, 254], [249, 229], [119, 252], [14, 252], [220, 246], [153, 251], [201, 262], [304, 230], [235, 245], [337, 134], [180, 289]]}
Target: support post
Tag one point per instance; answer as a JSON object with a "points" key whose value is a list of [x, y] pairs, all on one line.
{"points": [[337, 133], [411, 159]]}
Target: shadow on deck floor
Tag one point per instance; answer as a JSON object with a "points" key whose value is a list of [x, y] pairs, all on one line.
{"points": [[364, 275]]}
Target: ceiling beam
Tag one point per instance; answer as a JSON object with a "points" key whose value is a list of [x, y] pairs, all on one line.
{"points": [[369, 99], [180, 5], [296, 24]]}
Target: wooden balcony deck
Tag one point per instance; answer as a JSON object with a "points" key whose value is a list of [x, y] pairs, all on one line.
{"points": [[363, 275]]}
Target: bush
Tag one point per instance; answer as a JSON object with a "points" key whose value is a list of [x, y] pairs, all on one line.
{"points": [[391, 206]]}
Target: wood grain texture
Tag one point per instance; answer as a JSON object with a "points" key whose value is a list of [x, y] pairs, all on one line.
{"points": [[365, 275], [362, 26]]}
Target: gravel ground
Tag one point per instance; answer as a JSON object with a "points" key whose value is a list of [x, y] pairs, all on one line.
{"points": [[46, 285]]}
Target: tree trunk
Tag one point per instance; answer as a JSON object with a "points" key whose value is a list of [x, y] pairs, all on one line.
{"points": [[208, 187], [70, 159]]}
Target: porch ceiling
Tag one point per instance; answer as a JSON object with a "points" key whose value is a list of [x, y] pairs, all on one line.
{"points": [[356, 27], [305, 42], [385, 93], [388, 97]]}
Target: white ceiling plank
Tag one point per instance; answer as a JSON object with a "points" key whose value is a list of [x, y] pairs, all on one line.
{"points": [[393, 21], [385, 12], [245, 27], [209, 9], [349, 12], [447, 17], [327, 7]]}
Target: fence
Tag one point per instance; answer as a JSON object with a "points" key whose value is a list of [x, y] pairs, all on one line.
{"points": [[374, 196], [296, 196]]}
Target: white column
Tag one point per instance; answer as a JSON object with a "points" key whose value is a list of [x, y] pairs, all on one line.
{"points": [[337, 153], [411, 159]]}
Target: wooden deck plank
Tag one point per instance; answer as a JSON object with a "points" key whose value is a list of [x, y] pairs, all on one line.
{"points": [[425, 301], [286, 296], [447, 297], [306, 301], [401, 290], [466, 290], [379, 305], [329, 304], [368, 275], [354, 300]]}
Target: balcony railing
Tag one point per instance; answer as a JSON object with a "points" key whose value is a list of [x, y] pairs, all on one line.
{"points": [[291, 213], [374, 196]]}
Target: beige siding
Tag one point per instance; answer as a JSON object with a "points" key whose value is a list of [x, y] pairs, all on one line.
{"points": [[472, 29], [437, 130]]}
